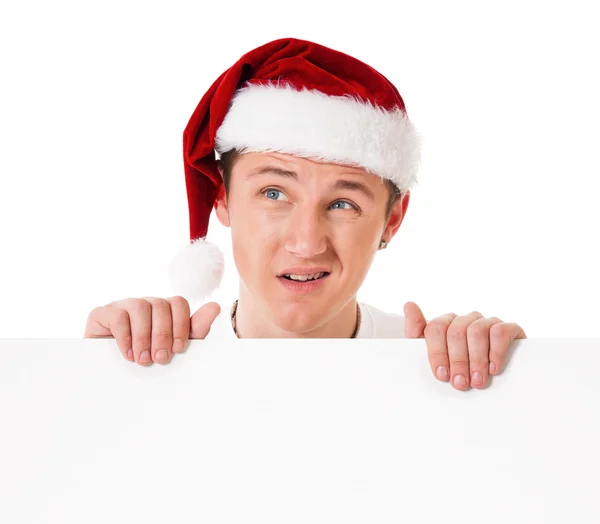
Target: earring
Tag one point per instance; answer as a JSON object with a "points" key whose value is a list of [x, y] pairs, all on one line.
{"points": [[383, 244]]}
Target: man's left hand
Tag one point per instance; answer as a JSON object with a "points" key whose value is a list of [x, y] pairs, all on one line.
{"points": [[465, 349]]}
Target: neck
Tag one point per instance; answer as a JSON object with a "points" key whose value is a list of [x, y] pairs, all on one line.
{"points": [[252, 321]]}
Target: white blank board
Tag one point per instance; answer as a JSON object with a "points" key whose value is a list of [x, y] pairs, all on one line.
{"points": [[296, 431]]}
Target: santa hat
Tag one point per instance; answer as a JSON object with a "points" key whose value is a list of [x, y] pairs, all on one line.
{"points": [[296, 97]]}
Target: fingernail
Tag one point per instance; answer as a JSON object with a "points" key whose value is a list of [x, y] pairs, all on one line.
{"points": [[477, 378], [162, 355], [130, 354], [145, 356], [441, 373], [459, 381], [177, 345], [492, 367]]}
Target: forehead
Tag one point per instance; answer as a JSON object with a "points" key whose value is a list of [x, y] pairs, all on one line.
{"points": [[247, 161]]}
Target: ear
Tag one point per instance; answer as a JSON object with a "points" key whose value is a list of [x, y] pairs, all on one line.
{"points": [[396, 217], [220, 206]]}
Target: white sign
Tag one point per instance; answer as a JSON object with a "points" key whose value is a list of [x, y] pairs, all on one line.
{"points": [[272, 431]]}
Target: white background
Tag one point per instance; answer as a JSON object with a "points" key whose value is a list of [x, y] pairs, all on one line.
{"points": [[95, 97], [334, 431]]}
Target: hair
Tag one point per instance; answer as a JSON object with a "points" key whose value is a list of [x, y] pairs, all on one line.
{"points": [[229, 158]]}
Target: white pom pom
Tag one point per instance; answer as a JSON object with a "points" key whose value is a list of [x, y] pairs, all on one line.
{"points": [[197, 270]]}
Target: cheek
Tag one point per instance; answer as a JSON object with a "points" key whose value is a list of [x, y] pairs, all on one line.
{"points": [[358, 239], [356, 247], [254, 239]]}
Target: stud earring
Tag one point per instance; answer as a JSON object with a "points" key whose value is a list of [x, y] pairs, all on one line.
{"points": [[383, 244]]}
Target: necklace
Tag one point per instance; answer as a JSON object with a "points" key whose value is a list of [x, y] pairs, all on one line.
{"points": [[234, 311]]}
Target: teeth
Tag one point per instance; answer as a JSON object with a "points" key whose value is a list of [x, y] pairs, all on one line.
{"points": [[304, 278]]}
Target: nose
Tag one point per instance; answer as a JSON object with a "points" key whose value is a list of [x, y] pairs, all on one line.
{"points": [[306, 233]]}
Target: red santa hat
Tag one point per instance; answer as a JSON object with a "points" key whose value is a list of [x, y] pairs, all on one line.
{"points": [[296, 97]]}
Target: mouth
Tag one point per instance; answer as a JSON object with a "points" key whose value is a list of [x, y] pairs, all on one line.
{"points": [[305, 278], [303, 283]]}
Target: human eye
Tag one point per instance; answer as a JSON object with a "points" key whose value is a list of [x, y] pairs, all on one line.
{"points": [[339, 203], [273, 194]]}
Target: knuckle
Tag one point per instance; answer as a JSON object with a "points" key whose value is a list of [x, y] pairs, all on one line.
{"points": [[140, 306], [436, 327], [179, 300], [455, 335], [121, 316], [162, 310], [438, 356], [142, 341], [156, 302], [161, 302], [478, 363], [94, 315], [120, 322], [180, 308], [459, 363], [499, 332], [162, 339], [477, 330], [126, 341]]}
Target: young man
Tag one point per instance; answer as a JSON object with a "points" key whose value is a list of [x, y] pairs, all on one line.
{"points": [[317, 158]]}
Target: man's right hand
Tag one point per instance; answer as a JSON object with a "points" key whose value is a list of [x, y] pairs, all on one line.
{"points": [[151, 329]]}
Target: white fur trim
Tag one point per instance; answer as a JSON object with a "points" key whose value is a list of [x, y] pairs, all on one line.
{"points": [[311, 124], [197, 270]]}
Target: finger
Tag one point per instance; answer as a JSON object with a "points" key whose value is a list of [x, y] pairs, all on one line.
{"points": [[478, 339], [437, 347], [110, 321], [202, 320], [458, 349], [501, 335], [414, 324], [180, 311], [140, 318], [162, 330]]}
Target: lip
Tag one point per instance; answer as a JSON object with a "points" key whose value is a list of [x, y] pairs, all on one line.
{"points": [[303, 288], [304, 270]]}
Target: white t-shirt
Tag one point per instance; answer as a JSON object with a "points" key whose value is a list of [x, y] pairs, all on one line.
{"points": [[374, 324]]}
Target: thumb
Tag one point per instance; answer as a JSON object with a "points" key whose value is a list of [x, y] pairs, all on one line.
{"points": [[414, 326], [203, 319]]}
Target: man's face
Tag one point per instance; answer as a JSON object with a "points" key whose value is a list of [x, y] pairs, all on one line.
{"points": [[289, 216]]}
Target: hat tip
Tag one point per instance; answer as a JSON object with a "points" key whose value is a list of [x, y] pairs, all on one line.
{"points": [[196, 270]]}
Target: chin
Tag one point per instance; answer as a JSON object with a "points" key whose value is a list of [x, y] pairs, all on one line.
{"points": [[297, 326], [295, 317], [300, 317]]}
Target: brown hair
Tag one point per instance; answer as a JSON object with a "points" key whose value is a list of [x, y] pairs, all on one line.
{"points": [[228, 159]]}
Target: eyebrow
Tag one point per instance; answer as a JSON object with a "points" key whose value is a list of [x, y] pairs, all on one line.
{"points": [[339, 184], [355, 186], [271, 170]]}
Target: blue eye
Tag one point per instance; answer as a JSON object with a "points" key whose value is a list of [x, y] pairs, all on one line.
{"points": [[272, 194], [342, 202]]}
